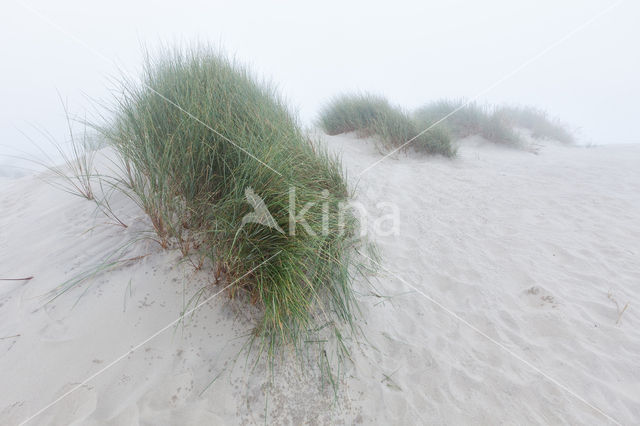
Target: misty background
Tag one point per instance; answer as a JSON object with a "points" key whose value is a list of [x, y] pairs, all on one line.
{"points": [[412, 52]]}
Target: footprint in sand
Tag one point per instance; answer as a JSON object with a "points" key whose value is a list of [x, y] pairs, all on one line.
{"points": [[538, 296]]}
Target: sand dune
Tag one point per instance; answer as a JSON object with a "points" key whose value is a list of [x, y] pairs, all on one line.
{"points": [[506, 264]]}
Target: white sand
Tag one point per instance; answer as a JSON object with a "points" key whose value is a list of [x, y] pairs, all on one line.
{"points": [[525, 248]]}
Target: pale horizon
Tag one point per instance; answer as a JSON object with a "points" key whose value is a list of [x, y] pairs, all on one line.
{"points": [[411, 53]]}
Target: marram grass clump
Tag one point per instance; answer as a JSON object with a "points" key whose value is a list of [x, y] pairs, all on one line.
{"points": [[466, 119], [354, 113], [371, 115], [430, 128], [537, 122], [397, 128], [202, 141], [497, 124]]}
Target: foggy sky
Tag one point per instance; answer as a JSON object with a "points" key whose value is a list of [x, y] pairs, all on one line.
{"points": [[411, 52]]}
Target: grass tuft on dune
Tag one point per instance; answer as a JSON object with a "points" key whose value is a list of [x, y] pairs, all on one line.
{"points": [[441, 120], [371, 115], [464, 120], [537, 121], [496, 124], [354, 113], [200, 138]]}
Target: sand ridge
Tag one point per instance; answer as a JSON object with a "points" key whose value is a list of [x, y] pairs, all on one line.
{"points": [[532, 249]]}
